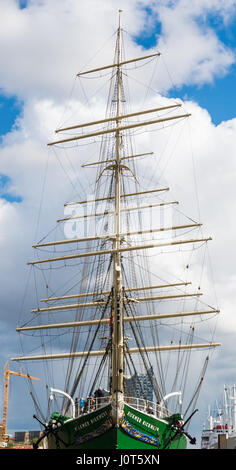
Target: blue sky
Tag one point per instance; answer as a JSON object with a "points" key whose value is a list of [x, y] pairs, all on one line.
{"points": [[5, 182], [219, 97], [10, 109], [22, 4]]}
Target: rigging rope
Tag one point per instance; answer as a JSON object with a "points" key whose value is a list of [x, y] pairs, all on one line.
{"points": [[193, 401], [77, 379]]}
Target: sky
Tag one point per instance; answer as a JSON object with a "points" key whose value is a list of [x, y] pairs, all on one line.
{"points": [[42, 47]]}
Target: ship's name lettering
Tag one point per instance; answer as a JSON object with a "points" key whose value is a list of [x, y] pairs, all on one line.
{"points": [[144, 423], [154, 428], [91, 421], [96, 418], [136, 418]]}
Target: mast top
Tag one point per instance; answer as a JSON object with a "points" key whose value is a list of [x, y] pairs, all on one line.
{"points": [[120, 11]]}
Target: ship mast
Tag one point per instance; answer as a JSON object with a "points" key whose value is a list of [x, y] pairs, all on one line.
{"points": [[117, 301], [117, 334]]}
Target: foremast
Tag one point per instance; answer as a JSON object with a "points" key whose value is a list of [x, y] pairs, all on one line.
{"points": [[117, 384]]}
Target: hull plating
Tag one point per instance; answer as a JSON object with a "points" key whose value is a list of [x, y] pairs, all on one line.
{"points": [[137, 430]]}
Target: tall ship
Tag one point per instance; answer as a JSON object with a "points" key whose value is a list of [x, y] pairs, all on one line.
{"points": [[122, 340], [219, 431]]}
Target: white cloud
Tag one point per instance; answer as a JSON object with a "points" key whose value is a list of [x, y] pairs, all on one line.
{"points": [[44, 45], [192, 50]]}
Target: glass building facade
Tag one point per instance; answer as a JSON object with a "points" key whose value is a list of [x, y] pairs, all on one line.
{"points": [[140, 385]]}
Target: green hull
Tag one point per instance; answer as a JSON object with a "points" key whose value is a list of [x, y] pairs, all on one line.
{"points": [[137, 430]]}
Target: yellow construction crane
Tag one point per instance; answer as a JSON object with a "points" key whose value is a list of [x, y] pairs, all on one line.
{"points": [[7, 373]]}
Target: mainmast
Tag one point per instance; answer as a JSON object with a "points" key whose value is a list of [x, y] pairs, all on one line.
{"points": [[117, 333]]}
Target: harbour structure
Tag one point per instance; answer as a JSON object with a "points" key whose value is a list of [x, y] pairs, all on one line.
{"points": [[219, 431]]}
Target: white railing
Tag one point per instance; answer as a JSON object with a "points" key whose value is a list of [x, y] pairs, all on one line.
{"points": [[148, 407], [87, 405]]}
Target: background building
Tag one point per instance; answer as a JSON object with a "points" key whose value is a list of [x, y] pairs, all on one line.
{"points": [[140, 385], [26, 436]]}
